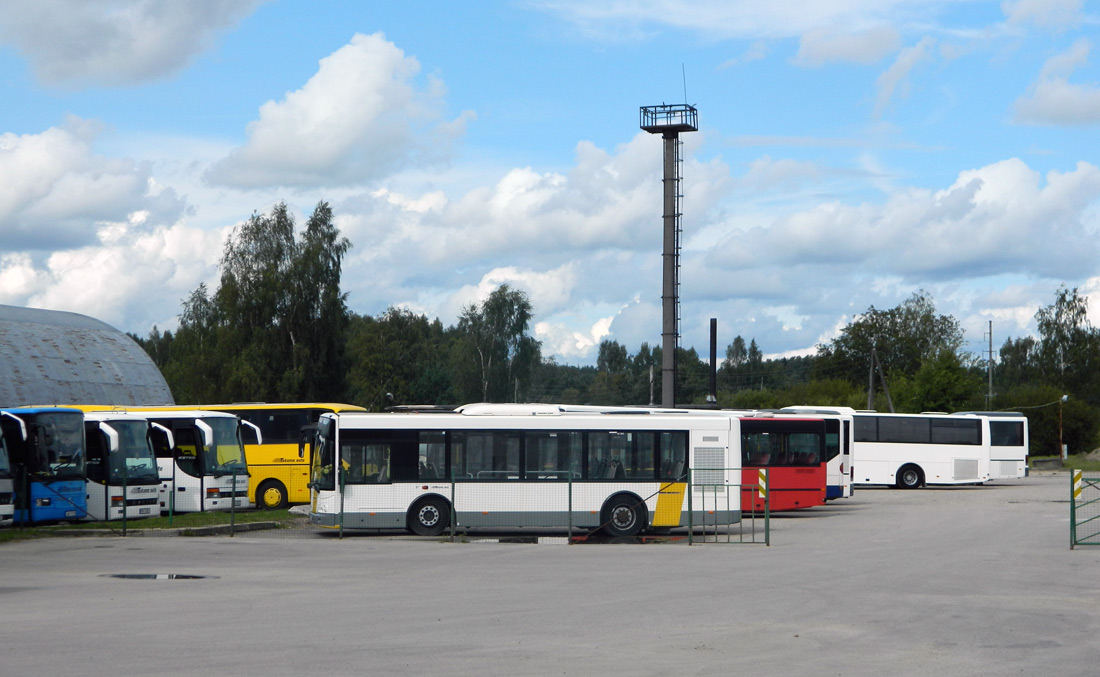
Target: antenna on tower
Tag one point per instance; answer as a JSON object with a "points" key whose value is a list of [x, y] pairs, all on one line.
{"points": [[683, 72]]}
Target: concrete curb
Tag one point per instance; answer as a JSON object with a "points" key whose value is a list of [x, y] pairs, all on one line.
{"points": [[214, 530]]}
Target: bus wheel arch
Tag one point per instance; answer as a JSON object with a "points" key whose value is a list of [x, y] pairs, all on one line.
{"points": [[272, 495], [910, 476], [429, 516], [624, 515]]}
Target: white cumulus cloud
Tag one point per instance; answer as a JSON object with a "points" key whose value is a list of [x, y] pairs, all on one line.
{"points": [[1045, 13], [361, 117], [895, 80], [113, 42], [1054, 100], [819, 46], [55, 192]]}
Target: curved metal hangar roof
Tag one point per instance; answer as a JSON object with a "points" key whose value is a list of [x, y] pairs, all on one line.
{"points": [[53, 357]]}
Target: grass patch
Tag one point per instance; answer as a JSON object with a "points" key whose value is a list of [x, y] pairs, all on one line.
{"points": [[1072, 463], [182, 521]]}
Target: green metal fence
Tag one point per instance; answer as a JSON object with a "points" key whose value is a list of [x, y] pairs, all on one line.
{"points": [[1084, 510], [700, 507], [708, 502]]}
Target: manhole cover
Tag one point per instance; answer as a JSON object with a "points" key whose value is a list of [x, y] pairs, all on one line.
{"points": [[158, 577]]}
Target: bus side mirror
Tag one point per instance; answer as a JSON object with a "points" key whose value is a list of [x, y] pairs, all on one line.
{"points": [[305, 436]]}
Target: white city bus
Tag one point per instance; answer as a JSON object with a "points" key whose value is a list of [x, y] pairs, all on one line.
{"points": [[121, 468], [838, 446], [523, 466], [912, 450], [1008, 443]]}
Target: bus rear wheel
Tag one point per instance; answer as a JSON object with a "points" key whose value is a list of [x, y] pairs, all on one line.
{"points": [[909, 477], [429, 517], [624, 516], [272, 496]]}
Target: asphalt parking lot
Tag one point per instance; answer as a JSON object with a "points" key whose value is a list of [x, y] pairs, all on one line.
{"points": [[947, 581]]}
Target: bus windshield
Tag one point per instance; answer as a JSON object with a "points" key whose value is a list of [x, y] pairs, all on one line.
{"points": [[226, 456], [324, 456], [135, 459], [58, 439]]}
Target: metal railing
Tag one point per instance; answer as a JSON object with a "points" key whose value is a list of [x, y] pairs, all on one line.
{"points": [[698, 507], [1084, 510]]}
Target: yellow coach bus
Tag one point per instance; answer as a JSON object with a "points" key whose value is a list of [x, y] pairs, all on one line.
{"points": [[278, 466]]}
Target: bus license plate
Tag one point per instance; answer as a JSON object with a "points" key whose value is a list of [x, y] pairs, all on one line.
{"points": [[145, 511], [70, 513]]}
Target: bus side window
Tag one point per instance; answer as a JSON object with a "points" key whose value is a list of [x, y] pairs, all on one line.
{"points": [[186, 451], [96, 465], [160, 443]]}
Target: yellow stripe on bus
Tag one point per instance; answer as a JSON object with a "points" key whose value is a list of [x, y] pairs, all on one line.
{"points": [[670, 503]]}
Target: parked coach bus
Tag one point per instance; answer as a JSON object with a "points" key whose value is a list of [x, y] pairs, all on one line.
{"points": [[47, 454], [200, 458], [1008, 443], [205, 469], [522, 466], [122, 472], [278, 465], [912, 450]]}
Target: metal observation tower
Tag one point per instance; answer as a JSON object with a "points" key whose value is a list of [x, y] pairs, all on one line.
{"points": [[669, 121]]}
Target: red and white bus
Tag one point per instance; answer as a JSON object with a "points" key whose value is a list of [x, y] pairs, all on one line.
{"points": [[792, 451], [838, 446]]}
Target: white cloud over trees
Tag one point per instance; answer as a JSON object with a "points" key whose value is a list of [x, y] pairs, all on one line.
{"points": [[56, 192]]}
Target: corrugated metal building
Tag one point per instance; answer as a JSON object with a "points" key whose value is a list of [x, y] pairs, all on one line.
{"points": [[54, 357]]}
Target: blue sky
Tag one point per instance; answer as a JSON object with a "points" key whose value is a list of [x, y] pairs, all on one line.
{"points": [[850, 153]]}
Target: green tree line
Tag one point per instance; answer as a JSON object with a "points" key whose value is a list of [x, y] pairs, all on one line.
{"points": [[277, 329]]}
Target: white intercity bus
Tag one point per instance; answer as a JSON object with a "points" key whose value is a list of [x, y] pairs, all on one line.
{"points": [[912, 450], [200, 457], [1008, 443], [205, 469], [535, 465], [121, 467]]}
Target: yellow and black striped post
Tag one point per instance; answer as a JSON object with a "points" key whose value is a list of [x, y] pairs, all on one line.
{"points": [[1075, 493], [762, 491]]}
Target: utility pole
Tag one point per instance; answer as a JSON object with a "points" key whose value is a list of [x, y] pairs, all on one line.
{"points": [[989, 368]]}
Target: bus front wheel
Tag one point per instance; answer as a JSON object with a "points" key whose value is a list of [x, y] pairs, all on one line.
{"points": [[429, 517], [272, 496], [909, 477], [624, 516]]}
